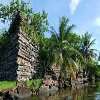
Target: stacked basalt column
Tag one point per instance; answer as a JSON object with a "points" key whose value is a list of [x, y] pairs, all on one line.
{"points": [[19, 58], [27, 58]]}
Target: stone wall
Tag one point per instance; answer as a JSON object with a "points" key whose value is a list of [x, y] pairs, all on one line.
{"points": [[19, 58], [8, 64], [27, 57]]}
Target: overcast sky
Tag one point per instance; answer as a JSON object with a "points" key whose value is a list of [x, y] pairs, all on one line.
{"points": [[85, 14]]}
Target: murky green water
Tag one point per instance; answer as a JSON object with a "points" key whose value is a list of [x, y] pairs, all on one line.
{"points": [[85, 93]]}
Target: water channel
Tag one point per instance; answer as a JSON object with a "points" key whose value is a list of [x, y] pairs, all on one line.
{"points": [[91, 92]]}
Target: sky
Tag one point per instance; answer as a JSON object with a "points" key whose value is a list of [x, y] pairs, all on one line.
{"points": [[85, 14]]}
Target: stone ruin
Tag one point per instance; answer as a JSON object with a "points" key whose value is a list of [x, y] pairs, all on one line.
{"points": [[19, 58]]}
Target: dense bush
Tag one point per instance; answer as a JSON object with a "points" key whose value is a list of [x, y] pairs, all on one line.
{"points": [[4, 38]]}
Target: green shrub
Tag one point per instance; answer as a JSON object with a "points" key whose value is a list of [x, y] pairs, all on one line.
{"points": [[4, 38], [34, 84]]}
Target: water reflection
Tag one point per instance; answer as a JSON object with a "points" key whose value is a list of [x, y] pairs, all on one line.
{"points": [[82, 93]]}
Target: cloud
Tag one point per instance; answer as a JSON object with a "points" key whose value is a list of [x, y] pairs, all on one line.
{"points": [[73, 5], [97, 21]]}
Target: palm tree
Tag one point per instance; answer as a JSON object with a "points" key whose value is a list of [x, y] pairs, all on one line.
{"points": [[65, 56], [87, 51], [87, 43]]}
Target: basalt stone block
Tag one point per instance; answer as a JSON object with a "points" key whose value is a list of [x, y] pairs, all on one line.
{"points": [[19, 57]]}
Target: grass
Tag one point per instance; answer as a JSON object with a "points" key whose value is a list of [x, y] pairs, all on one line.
{"points": [[12, 84], [7, 85]]}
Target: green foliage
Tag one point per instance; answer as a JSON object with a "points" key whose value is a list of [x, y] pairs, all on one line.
{"points": [[7, 11], [88, 53], [4, 38], [7, 85], [74, 40], [34, 84], [65, 48], [97, 70], [64, 28], [86, 49], [34, 24]]}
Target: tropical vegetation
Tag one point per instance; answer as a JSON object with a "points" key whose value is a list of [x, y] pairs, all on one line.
{"points": [[68, 50]]}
